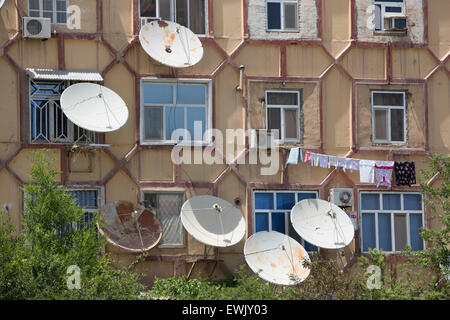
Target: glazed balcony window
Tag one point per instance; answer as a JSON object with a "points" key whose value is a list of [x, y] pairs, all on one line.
{"points": [[388, 117], [189, 13], [282, 15], [168, 106], [272, 210], [391, 221], [56, 10], [283, 114]]}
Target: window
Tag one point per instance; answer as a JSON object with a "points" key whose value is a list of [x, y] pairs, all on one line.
{"points": [[272, 211], [282, 15], [169, 106], [388, 117], [390, 221], [283, 114], [385, 10], [189, 13], [89, 200], [48, 123], [168, 205], [56, 10]]}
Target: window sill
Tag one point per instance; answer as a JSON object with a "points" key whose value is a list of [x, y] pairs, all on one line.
{"points": [[283, 31], [399, 33]]}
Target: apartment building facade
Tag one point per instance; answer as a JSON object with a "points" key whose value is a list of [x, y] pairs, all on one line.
{"points": [[361, 79]]}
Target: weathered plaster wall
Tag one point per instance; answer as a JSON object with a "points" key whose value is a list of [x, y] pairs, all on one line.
{"points": [[307, 21]]}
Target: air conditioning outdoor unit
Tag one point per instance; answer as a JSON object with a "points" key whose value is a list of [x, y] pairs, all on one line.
{"points": [[342, 197], [396, 23], [39, 28]]}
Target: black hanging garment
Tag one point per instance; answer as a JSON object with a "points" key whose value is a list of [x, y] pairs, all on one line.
{"points": [[405, 173]]}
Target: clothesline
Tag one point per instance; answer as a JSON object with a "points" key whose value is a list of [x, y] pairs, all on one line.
{"points": [[368, 169]]}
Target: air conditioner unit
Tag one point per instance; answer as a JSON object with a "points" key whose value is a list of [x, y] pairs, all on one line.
{"points": [[396, 23], [39, 28], [342, 197], [145, 20], [260, 138]]}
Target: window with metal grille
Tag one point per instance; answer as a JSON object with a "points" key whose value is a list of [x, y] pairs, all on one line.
{"points": [[189, 13], [283, 114], [56, 10], [388, 117], [272, 209], [48, 123], [390, 221], [282, 15], [168, 205]]}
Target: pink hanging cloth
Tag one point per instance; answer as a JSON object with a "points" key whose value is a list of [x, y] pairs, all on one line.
{"points": [[383, 173]]}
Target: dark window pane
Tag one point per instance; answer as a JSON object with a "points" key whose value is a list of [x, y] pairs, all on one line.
{"points": [[164, 9], [197, 16], [309, 247], [293, 234], [285, 200], [290, 123], [174, 120], [182, 12], [400, 231], [61, 5], [261, 221], [278, 222], [33, 4], [415, 223], [273, 15], [377, 18], [368, 231], [412, 202], [303, 195], [370, 201], [263, 200], [394, 9], [282, 98], [61, 17], [47, 5], [290, 15], [381, 119], [384, 231], [397, 125], [389, 1], [274, 119], [191, 94], [195, 115], [148, 8], [158, 93], [391, 201], [387, 99], [153, 123]]}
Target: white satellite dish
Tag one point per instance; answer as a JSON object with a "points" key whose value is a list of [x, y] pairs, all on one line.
{"points": [[171, 44], [94, 107], [1, 3], [322, 224], [276, 258], [213, 221]]}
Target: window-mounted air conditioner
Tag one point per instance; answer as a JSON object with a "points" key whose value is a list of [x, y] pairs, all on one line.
{"points": [[145, 20], [342, 197], [260, 138], [39, 28], [396, 23]]}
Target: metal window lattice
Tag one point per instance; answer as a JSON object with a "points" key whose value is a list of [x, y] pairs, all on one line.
{"points": [[169, 206], [48, 123]]}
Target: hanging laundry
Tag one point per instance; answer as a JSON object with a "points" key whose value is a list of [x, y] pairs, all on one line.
{"points": [[383, 173], [323, 161], [405, 173], [295, 156], [341, 163], [333, 161], [315, 159], [366, 171], [355, 164], [307, 156]]}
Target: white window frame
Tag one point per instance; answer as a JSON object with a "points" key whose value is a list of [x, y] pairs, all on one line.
{"points": [[174, 82], [282, 138], [183, 233], [392, 214], [282, 9], [388, 109], [51, 139], [54, 11], [385, 14], [285, 211], [173, 13]]}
